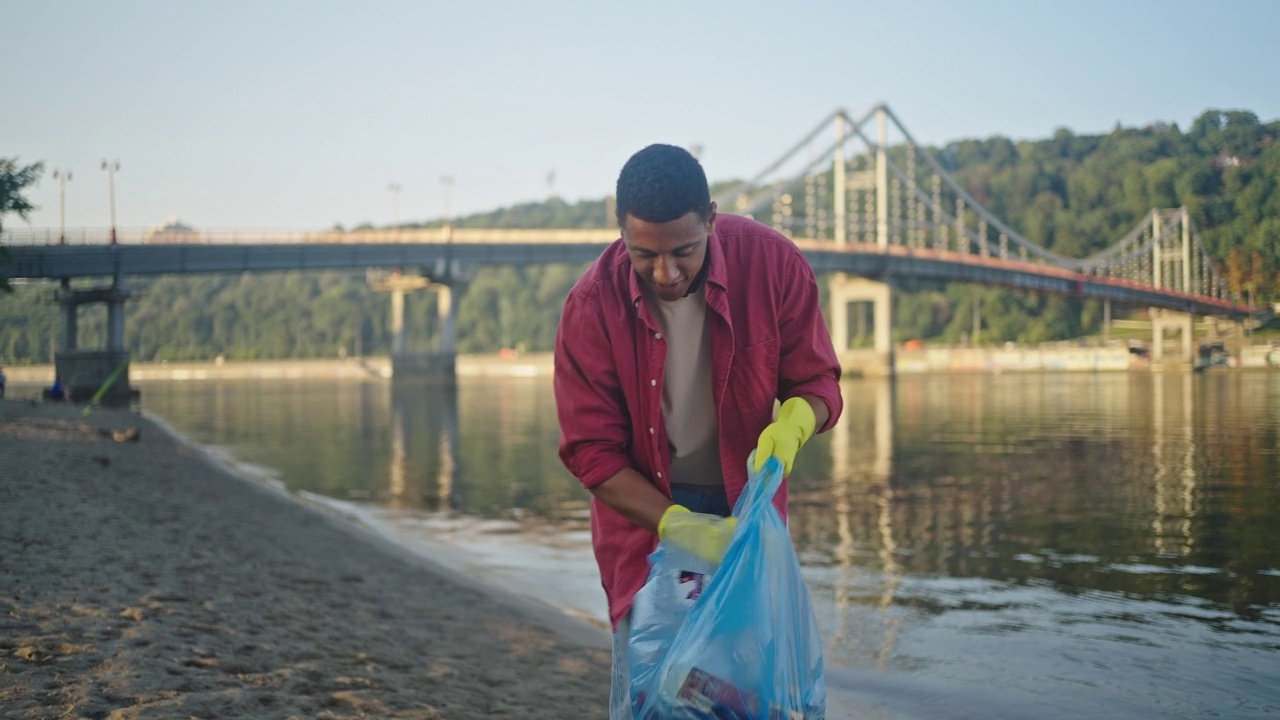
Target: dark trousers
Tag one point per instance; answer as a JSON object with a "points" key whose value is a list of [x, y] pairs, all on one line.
{"points": [[702, 499]]}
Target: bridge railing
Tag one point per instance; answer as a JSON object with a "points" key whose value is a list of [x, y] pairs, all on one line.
{"points": [[275, 236]]}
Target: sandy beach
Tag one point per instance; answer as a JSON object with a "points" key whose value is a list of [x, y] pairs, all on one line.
{"points": [[140, 580]]}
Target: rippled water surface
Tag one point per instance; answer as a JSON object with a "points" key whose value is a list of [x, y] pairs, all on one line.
{"points": [[1083, 545]]}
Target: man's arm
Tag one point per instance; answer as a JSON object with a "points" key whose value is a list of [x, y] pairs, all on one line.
{"points": [[820, 411], [632, 495], [590, 403], [808, 365]]}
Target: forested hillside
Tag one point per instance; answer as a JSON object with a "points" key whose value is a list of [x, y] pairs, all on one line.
{"points": [[1073, 194], [1076, 194]]}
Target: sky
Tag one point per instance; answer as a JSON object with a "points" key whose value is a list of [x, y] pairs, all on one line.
{"points": [[239, 114]]}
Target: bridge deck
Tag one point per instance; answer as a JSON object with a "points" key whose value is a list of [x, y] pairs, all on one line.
{"points": [[432, 249]]}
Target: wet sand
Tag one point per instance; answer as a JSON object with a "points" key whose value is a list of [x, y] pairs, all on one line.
{"points": [[140, 580]]}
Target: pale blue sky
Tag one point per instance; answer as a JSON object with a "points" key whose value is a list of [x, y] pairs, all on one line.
{"points": [[299, 114]]}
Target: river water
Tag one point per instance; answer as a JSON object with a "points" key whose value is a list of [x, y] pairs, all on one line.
{"points": [[981, 546]]}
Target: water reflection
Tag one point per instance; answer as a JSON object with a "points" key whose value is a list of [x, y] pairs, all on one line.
{"points": [[1175, 472], [875, 474], [429, 481], [1118, 534], [1157, 486], [495, 460], [1049, 527], [1075, 486]]}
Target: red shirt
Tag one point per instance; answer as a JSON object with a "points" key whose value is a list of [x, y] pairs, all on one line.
{"points": [[768, 341]]}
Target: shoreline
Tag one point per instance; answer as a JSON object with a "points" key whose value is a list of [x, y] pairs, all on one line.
{"points": [[149, 580], [373, 368], [1055, 359]]}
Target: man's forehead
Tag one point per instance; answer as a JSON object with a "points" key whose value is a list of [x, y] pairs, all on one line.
{"points": [[662, 242], [663, 249]]}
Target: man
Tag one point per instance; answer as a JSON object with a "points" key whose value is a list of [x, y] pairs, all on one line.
{"points": [[670, 355]]}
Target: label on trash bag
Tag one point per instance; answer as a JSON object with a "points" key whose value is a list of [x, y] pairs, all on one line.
{"points": [[717, 699], [690, 585], [705, 692]]}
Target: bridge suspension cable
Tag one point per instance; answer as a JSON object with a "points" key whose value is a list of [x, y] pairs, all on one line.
{"points": [[900, 194]]}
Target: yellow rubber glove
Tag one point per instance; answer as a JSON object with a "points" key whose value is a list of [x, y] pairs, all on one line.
{"points": [[785, 436], [706, 536]]}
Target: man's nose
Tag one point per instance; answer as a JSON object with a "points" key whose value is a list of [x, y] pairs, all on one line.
{"points": [[664, 271]]}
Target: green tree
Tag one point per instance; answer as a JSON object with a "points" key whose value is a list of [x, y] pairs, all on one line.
{"points": [[14, 179]]}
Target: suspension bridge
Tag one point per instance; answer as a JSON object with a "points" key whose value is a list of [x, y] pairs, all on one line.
{"points": [[867, 205]]}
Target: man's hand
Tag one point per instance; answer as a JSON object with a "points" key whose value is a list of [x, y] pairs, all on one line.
{"points": [[706, 536], [785, 436]]}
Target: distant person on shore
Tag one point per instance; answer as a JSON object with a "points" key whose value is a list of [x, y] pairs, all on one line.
{"points": [[670, 356], [60, 390], [2, 380]]}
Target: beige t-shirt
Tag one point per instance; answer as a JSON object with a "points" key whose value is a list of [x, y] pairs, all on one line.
{"points": [[688, 408]]}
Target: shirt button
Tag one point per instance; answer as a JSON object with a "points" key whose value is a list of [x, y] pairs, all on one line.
{"points": [[650, 431], [659, 476], [657, 336], [652, 383]]}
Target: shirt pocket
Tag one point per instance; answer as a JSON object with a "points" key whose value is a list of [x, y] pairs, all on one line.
{"points": [[753, 379]]}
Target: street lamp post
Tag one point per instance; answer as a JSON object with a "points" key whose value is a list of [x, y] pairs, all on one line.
{"points": [[447, 182], [394, 189], [62, 176], [111, 168]]}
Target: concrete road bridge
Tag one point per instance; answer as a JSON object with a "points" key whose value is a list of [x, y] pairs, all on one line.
{"points": [[867, 205]]}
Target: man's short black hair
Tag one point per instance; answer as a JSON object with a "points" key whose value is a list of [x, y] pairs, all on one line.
{"points": [[662, 183]]}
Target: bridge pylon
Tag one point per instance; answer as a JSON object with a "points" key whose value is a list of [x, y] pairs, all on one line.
{"points": [[846, 289], [440, 362], [89, 372], [1184, 325]]}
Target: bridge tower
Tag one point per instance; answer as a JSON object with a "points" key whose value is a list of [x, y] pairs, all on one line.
{"points": [[899, 214], [845, 289], [1171, 253], [88, 371]]}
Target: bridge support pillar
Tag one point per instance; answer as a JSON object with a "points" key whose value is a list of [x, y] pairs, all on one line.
{"points": [[1184, 324], [70, 325], [448, 317], [845, 289], [439, 363], [115, 324], [88, 371], [398, 343]]}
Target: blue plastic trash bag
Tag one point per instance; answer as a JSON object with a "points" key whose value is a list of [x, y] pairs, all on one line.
{"points": [[737, 642]]}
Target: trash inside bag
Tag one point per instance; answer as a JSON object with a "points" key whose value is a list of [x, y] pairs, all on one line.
{"points": [[734, 642]]}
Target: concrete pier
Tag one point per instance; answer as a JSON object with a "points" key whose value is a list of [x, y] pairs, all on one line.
{"points": [[88, 371]]}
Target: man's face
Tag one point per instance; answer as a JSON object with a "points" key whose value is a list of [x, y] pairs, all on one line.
{"points": [[667, 256]]}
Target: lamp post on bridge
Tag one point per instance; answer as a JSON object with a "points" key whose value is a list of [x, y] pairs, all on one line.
{"points": [[446, 181], [62, 176], [111, 168], [394, 189]]}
